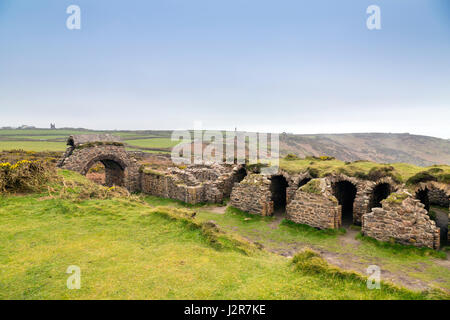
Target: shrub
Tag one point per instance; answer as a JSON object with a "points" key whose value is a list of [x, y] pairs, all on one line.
{"points": [[423, 176], [256, 167], [377, 173], [23, 176], [444, 178], [291, 157], [313, 172]]}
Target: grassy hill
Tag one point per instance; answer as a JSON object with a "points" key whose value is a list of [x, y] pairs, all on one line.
{"points": [[377, 147], [368, 170], [132, 249]]}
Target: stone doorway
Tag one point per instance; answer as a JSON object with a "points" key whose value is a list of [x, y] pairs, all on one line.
{"points": [[113, 175], [422, 196], [437, 213], [278, 187], [239, 175], [303, 182], [380, 192], [345, 193]]}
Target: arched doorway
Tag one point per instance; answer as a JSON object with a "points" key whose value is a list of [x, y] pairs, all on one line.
{"points": [[345, 193], [302, 182], [278, 187], [422, 195], [437, 213], [239, 175], [380, 192], [114, 170]]}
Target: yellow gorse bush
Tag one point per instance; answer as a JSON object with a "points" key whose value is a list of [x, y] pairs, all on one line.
{"points": [[24, 175]]}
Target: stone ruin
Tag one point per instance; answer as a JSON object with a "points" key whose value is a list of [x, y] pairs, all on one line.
{"points": [[193, 184], [384, 209], [84, 151]]}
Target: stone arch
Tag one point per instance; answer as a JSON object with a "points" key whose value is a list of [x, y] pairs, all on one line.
{"points": [[378, 193], [83, 151], [434, 193], [278, 189], [239, 174], [303, 181], [345, 192], [114, 169]]}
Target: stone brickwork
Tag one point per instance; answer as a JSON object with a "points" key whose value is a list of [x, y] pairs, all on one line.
{"points": [[194, 184], [439, 197], [120, 168], [319, 210], [294, 182], [404, 221], [253, 195]]}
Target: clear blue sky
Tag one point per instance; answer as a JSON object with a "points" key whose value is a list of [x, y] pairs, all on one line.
{"points": [[285, 65]]}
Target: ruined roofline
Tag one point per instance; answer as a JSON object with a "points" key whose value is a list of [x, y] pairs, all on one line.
{"points": [[80, 139]]}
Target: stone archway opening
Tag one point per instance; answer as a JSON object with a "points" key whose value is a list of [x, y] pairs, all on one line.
{"points": [[422, 196], [380, 192], [278, 187], [239, 175], [97, 173], [345, 193], [302, 182], [432, 200], [114, 172]]}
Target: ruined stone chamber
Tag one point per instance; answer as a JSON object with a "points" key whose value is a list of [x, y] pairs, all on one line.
{"points": [[338, 201], [193, 184], [83, 151]]}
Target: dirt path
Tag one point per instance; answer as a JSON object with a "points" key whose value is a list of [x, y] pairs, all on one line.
{"points": [[347, 261]]}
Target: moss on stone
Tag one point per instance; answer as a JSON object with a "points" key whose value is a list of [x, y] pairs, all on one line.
{"points": [[312, 186], [397, 197]]}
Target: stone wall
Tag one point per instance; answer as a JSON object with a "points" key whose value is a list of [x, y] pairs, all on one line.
{"points": [[438, 197], [170, 186], [402, 220], [253, 195], [294, 182], [316, 210], [193, 184]]}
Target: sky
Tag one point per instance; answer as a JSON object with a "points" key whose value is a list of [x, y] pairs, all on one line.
{"points": [[258, 65]]}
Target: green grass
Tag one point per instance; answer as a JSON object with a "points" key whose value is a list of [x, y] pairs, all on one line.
{"points": [[399, 249], [20, 139], [321, 168], [127, 249], [33, 145], [288, 237]]}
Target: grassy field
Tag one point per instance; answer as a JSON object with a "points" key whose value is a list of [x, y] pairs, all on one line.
{"points": [[287, 238], [55, 140], [130, 249]]}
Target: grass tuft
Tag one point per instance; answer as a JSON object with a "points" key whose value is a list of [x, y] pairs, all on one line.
{"points": [[401, 249]]}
